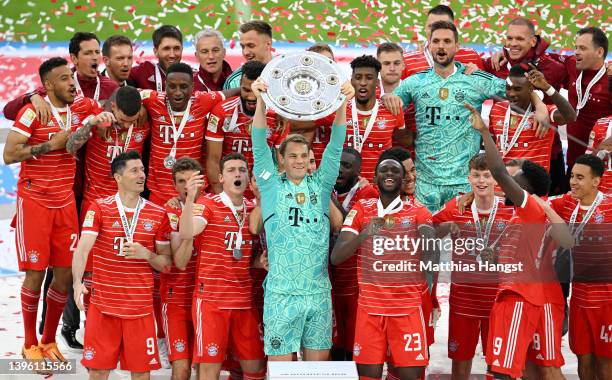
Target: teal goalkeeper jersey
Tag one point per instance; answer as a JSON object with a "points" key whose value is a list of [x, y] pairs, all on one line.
{"points": [[233, 81], [296, 218], [445, 138]]}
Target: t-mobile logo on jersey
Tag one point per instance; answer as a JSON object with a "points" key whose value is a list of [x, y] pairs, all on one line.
{"points": [[113, 151], [433, 114], [296, 217], [230, 240], [118, 242], [241, 145]]}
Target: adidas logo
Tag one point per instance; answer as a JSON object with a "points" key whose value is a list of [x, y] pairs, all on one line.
{"points": [[153, 361], [496, 363], [151, 78], [227, 219], [116, 224], [420, 357], [540, 357], [426, 95]]}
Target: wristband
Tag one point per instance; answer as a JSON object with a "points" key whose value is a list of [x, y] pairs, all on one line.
{"points": [[551, 91]]}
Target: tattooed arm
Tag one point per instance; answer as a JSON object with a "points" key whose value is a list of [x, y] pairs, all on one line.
{"points": [[17, 149], [78, 138]]}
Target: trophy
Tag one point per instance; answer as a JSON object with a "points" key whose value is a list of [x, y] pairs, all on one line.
{"points": [[302, 86]]}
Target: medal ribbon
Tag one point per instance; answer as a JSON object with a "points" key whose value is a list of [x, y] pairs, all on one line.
{"points": [[240, 221], [358, 139], [158, 79], [585, 219], [505, 147], [203, 84], [383, 211], [582, 100], [177, 133], [63, 126], [349, 196], [490, 221], [128, 137], [129, 227], [96, 96]]}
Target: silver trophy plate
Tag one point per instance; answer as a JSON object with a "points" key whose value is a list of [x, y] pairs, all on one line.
{"points": [[303, 86]]}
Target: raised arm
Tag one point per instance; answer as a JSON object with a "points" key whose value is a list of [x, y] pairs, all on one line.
{"points": [[190, 225], [565, 112], [513, 191], [79, 137]]}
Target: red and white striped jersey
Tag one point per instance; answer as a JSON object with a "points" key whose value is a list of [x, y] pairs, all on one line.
{"points": [[49, 178], [123, 287], [602, 131]]}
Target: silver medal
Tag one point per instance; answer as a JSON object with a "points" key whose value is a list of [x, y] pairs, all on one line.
{"points": [[169, 162], [237, 253]]}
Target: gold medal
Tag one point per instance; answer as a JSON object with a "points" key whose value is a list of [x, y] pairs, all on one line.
{"points": [[486, 255], [443, 93], [389, 221], [300, 198]]}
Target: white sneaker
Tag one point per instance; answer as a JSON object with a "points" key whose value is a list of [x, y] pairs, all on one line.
{"points": [[80, 335], [163, 353]]}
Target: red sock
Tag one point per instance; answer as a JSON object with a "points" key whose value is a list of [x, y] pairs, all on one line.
{"points": [[55, 307], [29, 310], [391, 375], [255, 375], [87, 297], [157, 307]]}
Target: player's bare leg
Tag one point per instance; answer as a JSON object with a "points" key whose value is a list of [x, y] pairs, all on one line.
{"points": [[550, 373], [33, 279], [98, 374], [409, 373], [370, 371], [209, 371], [586, 367], [281, 358], [461, 369], [604, 367], [141, 375], [253, 369], [531, 371], [315, 355], [181, 369]]}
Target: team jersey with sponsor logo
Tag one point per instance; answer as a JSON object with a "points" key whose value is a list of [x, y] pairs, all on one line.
{"points": [[526, 145], [601, 132], [223, 270], [592, 282], [48, 179], [382, 292], [189, 143], [472, 294], [123, 287], [445, 138]]}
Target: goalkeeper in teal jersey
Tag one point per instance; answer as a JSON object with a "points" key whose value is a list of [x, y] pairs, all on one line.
{"points": [[445, 140], [295, 212]]}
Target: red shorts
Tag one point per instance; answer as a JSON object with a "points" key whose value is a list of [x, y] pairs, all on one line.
{"points": [[109, 339], [403, 336], [178, 327], [345, 316], [590, 330], [427, 306], [85, 204], [545, 349], [463, 334], [216, 329], [44, 236], [512, 324]]}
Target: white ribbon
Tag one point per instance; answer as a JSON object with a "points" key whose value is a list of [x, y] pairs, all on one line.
{"points": [[158, 79], [358, 139], [177, 133], [487, 232], [349, 196], [505, 147], [582, 100], [383, 211], [63, 126], [129, 227], [128, 138], [78, 86], [203, 84], [576, 231], [239, 220]]}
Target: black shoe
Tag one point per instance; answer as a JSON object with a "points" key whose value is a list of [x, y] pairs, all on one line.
{"points": [[70, 339]]}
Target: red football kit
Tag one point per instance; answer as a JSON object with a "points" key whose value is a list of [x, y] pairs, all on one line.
{"points": [[46, 222], [601, 132], [515, 134], [174, 135], [120, 322], [472, 294], [590, 329], [389, 313], [223, 295]]}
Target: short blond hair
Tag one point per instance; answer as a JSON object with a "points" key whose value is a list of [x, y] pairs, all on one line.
{"points": [[293, 138]]}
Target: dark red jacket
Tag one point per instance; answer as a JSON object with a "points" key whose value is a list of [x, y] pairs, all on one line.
{"points": [[202, 80], [143, 76], [88, 86]]}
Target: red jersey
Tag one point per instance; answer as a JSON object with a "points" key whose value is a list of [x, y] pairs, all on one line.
{"points": [[101, 151], [602, 131], [591, 286], [231, 126], [223, 274], [123, 287], [598, 105], [344, 275], [526, 246], [473, 294], [176, 287], [385, 293], [148, 76], [416, 61], [526, 145], [188, 143], [378, 138], [48, 179]]}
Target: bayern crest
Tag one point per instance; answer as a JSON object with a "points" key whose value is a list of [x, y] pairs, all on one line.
{"points": [[356, 349], [148, 226], [89, 353], [381, 124], [500, 225], [33, 256], [212, 349], [179, 345], [599, 218]]}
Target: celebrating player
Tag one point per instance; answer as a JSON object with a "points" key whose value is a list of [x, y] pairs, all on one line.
{"points": [[210, 53], [118, 55], [389, 313], [223, 288], [127, 236], [588, 211], [256, 44], [168, 48], [445, 141], [391, 66], [600, 144], [46, 221], [294, 207]]}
